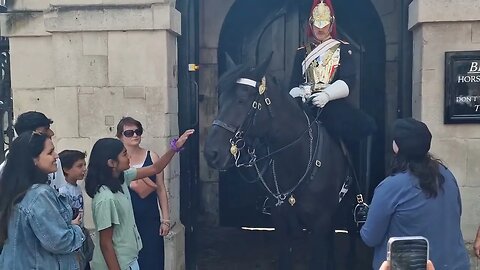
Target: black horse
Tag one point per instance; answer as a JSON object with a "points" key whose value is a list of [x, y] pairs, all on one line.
{"points": [[303, 169]]}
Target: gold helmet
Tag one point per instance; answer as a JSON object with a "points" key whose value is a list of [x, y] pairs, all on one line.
{"points": [[322, 13]]}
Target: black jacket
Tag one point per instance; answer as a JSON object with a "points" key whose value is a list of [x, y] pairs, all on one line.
{"points": [[342, 119]]}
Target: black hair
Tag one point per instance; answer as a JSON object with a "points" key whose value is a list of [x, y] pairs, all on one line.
{"points": [[127, 121], [98, 172], [426, 169], [31, 120], [19, 174], [69, 157]]}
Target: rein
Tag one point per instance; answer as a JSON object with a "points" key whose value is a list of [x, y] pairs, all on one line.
{"points": [[282, 196]]}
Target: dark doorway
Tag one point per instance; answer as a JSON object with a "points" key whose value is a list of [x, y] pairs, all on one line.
{"points": [[188, 118], [251, 30], [279, 26]]}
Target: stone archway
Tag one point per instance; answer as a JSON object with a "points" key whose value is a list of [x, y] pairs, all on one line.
{"points": [[211, 27], [390, 16]]}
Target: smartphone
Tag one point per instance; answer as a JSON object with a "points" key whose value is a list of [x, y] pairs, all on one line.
{"points": [[408, 253], [76, 211]]}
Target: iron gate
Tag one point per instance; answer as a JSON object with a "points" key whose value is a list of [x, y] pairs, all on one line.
{"points": [[6, 102]]}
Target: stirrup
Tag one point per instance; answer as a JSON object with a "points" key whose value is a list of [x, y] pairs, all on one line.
{"points": [[360, 212]]}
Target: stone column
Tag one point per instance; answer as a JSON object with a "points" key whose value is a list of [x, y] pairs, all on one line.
{"points": [[87, 63], [439, 26]]}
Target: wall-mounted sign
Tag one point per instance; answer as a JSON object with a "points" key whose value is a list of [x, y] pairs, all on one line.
{"points": [[462, 87]]}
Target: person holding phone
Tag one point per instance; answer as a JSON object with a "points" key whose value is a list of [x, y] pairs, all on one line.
{"points": [[419, 198], [386, 266]]}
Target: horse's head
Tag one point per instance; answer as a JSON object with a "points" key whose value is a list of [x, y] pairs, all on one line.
{"points": [[243, 113]]}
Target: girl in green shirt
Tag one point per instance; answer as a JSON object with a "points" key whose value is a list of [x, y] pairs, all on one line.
{"points": [[108, 177]]}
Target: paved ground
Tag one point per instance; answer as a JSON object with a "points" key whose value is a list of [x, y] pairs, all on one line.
{"points": [[235, 249]]}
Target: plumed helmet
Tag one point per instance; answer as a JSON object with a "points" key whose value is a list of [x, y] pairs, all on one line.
{"points": [[322, 15]]}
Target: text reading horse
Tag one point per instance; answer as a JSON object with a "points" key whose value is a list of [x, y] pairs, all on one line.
{"points": [[303, 168]]}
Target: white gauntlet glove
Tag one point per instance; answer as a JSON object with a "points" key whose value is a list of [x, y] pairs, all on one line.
{"points": [[297, 92], [302, 91], [320, 99], [338, 89]]}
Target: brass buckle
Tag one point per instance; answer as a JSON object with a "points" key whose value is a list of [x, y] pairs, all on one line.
{"points": [[359, 198]]}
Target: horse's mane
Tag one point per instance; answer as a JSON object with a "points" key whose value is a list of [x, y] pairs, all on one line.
{"points": [[228, 79]]}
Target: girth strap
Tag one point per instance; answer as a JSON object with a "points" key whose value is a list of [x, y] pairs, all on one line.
{"points": [[318, 150], [318, 164]]}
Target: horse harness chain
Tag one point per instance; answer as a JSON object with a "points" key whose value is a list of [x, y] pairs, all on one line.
{"points": [[281, 197], [238, 143]]}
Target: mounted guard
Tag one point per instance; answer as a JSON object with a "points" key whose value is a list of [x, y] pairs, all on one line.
{"points": [[324, 73]]}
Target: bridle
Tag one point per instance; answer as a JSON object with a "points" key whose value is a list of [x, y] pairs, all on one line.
{"points": [[238, 143]]}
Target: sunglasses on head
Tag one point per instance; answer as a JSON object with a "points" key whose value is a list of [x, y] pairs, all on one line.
{"points": [[129, 133], [34, 133]]}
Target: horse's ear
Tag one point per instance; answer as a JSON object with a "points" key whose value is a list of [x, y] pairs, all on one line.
{"points": [[229, 62], [261, 69]]}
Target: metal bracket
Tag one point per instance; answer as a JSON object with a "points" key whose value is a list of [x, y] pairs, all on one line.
{"points": [[193, 67]]}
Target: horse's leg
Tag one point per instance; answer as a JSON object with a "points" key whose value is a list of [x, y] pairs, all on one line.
{"points": [[352, 251], [331, 248], [321, 254], [284, 240]]}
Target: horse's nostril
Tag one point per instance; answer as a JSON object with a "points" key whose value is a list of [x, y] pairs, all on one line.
{"points": [[211, 154]]}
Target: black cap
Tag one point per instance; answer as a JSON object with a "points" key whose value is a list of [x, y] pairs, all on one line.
{"points": [[29, 121], [412, 138]]}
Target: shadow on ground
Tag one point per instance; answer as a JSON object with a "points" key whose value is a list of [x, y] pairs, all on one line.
{"points": [[222, 248]]}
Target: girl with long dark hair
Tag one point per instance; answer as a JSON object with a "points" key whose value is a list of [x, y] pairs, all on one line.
{"points": [[108, 177], [36, 226], [419, 198]]}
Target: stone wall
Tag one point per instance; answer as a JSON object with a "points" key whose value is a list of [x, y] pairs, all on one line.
{"points": [[87, 63], [439, 26], [390, 14]]}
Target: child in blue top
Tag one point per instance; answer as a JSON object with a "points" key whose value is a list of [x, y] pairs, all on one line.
{"points": [[108, 177]]}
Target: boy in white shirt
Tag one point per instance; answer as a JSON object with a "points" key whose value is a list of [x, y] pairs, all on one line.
{"points": [[74, 169]]}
